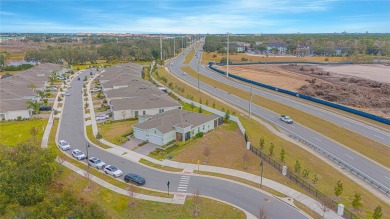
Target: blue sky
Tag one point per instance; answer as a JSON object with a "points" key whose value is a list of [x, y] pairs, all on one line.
{"points": [[185, 16]]}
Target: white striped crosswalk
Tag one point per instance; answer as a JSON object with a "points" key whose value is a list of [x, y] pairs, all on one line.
{"points": [[183, 184]]}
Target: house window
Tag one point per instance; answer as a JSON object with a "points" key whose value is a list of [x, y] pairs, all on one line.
{"points": [[135, 114], [143, 112], [160, 110], [193, 132], [198, 129], [203, 127]]}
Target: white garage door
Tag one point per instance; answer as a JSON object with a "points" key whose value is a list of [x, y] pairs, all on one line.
{"points": [[139, 134], [155, 139]]}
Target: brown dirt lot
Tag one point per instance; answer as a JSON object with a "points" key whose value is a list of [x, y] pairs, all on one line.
{"points": [[344, 84]]}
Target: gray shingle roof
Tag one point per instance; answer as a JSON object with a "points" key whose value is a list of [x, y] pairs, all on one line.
{"points": [[135, 89], [143, 102], [165, 122], [12, 105]]}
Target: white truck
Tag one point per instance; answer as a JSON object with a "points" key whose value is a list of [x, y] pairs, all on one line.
{"points": [[286, 119]]}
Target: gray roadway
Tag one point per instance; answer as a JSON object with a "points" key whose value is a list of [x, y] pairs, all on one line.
{"points": [[377, 172], [71, 129]]}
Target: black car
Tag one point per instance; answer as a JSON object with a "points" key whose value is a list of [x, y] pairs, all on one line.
{"points": [[134, 178], [45, 108], [78, 78]]}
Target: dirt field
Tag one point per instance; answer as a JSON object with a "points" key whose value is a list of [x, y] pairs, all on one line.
{"points": [[364, 87]]}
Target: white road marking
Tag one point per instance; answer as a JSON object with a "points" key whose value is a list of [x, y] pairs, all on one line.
{"points": [[380, 137], [346, 124], [348, 156], [182, 190], [317, 139]]}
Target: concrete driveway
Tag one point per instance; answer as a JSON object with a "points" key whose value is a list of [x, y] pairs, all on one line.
{"points": [[146, 149]]}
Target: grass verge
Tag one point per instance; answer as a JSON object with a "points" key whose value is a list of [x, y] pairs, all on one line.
{"points": [[307, 210], [189, 57], [151, 164], [363, 145], [92, 138]]}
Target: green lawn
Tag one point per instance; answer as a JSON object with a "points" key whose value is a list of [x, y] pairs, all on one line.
{"points": [[92, 138], [188, 107], [14, 132], [114, 129]]}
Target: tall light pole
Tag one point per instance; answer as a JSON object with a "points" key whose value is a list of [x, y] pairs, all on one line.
{"points": [[161, 48], [250, 103], [227, 56], [261, 179], [182, 43], [174, 45]]}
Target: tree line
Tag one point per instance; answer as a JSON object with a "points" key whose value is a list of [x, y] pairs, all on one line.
{"points": [[367, 44], [145, 49]]}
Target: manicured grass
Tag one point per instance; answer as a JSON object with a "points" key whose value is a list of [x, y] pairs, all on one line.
{"points": [[366, 146], [327, 175], [117, 206], [189, 57], [113, 129], [92, 138], [14, 132], [236, 58], [188, 107], [148, 163], [307, 210], [143, 62]]}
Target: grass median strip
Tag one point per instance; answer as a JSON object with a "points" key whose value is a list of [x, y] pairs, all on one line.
{"points": [[92, 138], [326, 174], [151, 164], [189, 57], [363, 145]]}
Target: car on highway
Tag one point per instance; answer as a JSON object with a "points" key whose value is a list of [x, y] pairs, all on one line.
{"points": [[96, 162], [64, 145], [95, 90], [102, 117], [286, 119], [79, 155], [113, 171], [134, 178]]}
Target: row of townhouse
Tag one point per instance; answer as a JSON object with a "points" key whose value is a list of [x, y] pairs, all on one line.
{"points": [[161, 118], [16, 90]]}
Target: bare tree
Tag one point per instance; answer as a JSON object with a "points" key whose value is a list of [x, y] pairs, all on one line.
{"points": [[245, 159], [206, 153], [131, 190], [196, 200], [262, 213], [89, 176]]}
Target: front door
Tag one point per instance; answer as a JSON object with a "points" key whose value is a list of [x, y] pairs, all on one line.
{"points": [[179, 136]]}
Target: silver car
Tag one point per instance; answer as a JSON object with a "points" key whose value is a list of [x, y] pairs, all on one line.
{"points": [[79, 155], [64, 145], [96, 162], [113, 171]]}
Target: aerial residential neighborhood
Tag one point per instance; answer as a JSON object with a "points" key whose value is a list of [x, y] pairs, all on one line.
{"points": [[195, 109]]}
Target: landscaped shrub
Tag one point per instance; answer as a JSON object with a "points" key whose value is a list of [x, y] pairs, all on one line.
{"points": [[199, 135]]}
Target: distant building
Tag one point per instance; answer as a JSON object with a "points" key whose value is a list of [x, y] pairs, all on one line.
{"points": [[281, 48], [303, 50]]}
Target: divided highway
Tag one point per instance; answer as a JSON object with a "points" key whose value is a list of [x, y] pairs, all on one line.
{"points": [[377, 172], [72, 130]]}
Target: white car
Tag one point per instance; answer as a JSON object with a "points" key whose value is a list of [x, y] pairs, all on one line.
{"points": [[113, 171], [67, 93], [96, 162], [79, 155], [64, 145], [95, 90], [102, 117]]}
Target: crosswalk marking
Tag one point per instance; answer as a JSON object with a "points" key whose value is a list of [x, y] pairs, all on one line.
{"points": [[183, 183]]}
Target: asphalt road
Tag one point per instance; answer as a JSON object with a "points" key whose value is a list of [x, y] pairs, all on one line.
{"points": [[71, 130], [373, 170]]}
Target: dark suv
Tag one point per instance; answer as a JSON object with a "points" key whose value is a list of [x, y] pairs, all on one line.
{"points": [[134, 178]]}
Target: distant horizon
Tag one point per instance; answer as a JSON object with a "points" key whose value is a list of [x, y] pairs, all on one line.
{"points": [[231, 34], [187, 17]]}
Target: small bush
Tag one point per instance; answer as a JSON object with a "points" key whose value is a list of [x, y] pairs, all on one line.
{"points": [[199, 135]]}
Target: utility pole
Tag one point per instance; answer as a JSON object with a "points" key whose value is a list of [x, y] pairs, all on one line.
{"points": [[250, 103], [161, 57], [182, 43], [227, 55], [174, 45]]}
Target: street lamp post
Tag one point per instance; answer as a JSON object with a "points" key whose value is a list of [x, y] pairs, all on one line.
{"points": [[174, 47], [168, 186], [227, 56], [87, 146], [261, 176]]}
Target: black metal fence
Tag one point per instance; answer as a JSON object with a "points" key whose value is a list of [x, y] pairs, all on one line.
{"points": [[328, 202]]}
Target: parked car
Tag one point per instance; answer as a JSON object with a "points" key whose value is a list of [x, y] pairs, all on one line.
{"points": [[79, 155], [78, 78], [95, 90], [286, 119], [67, 93], [113, 171], [52, 88], [64, 145], [96, 162], [134, 178], [102, 117], [45, 108]]}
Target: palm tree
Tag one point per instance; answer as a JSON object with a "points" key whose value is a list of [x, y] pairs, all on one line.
{"points": [[34, 105], [40, 93]]}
